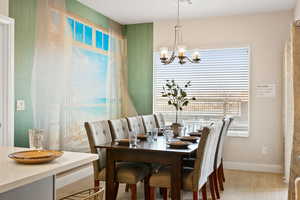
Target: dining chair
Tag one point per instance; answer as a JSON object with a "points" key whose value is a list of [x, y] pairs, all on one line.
{"points": [[217, 129], [217, 146], [218, 166], [149, 122], [193, 179], [98, 133], [136, 124], [119, 128], [160, 120]]}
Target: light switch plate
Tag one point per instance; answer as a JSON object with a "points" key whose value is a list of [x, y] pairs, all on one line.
{"points": [[20, 105]]}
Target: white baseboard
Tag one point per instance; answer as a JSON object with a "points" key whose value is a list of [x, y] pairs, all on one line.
{"points": [[77, 175], [253, 167]]}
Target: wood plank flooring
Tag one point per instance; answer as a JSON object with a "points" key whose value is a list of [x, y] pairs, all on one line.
{"points": [[239, 185]]}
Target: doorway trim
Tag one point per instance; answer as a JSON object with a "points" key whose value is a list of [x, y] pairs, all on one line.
{"points": [[7, 80]]}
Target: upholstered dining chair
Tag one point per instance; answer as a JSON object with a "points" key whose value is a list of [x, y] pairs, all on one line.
{"points": [[119, 128], [217, 129], [218, 166], [136, 124], [193, 179], [160, 120], [215, 175], [130, 173], [149, 122]]}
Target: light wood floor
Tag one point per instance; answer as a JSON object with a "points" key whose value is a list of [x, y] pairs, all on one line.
{"points": [[239, 185]]}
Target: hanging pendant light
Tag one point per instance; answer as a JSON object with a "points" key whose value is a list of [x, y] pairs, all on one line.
{"points": [[179, 49]]}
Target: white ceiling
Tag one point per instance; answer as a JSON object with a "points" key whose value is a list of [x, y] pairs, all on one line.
{"points": [[141, 11]]}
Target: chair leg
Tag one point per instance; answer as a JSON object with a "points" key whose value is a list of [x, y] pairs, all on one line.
{"points": [[146, 188], [215, 181], [165, 193], [116, 190], [127, 188], [220, 179], [211, 187], [195, 195], [96, 185], [222, 170], [203, 191], [152, 193], [133, 191]]}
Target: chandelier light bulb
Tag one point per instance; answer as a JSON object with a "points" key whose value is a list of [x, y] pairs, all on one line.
{"points": [[196, 55], [164, 52], [181, 51]]}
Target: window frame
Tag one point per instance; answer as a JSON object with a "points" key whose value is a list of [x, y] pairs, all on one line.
{"points": [[247, 46]]}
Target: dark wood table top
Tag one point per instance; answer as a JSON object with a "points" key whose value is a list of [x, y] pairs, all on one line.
{"points": [[156, 146]]}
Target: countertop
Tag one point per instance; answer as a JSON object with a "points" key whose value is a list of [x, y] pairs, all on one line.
{"points": [[13, 174]]}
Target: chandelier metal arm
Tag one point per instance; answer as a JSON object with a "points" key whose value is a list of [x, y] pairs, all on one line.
{"points": [[178, 41]]}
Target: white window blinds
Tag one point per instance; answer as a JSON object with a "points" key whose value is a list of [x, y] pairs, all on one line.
{"points": [[219, 82]]}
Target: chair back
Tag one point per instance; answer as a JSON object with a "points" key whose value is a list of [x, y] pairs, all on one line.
{"points": [[198, 176], [149, 122], [219, 153], [136, 124], [98, 133], [204, 163], [218, 129], [160, 120], [119, 128]]}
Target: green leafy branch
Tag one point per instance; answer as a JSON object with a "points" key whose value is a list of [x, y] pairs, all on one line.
{"points": [[177, 95]]}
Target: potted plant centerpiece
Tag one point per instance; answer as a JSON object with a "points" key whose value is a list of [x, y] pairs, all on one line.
{"points": [[177, 97]]}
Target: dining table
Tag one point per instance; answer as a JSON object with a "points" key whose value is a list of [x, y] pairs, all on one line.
{"points": [[149, 151]]}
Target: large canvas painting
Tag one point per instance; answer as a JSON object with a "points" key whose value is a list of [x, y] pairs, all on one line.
{"points": [[71, 80]]}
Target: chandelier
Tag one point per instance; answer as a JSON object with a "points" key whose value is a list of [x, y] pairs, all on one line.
{"points": [[178, 50]]}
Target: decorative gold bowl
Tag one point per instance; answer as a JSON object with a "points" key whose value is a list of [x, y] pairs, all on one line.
{"points": [[35, 156]]}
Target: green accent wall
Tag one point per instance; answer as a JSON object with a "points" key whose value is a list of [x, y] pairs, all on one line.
{"points": [[83, 11], [24, 13], [140, 65]]}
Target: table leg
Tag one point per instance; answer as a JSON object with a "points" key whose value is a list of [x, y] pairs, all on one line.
{"points": [[176, 178], [110, 176]]}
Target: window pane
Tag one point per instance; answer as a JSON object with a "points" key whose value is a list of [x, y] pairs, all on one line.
{"points": [[88, 35], [105, 42], [79, 31], [99, 38], [71, 25]]}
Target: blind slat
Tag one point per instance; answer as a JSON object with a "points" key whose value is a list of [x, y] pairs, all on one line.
{"points": [[222, 74]]}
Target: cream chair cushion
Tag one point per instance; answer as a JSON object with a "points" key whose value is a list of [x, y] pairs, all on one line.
{"points": [[160, 120], [100, 134], [119, 128], [136, 124], [163, 178], [222, 139], [149, 122], [130, 173]]}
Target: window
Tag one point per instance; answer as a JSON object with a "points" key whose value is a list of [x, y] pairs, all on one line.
{"points": [[87, 34], [220, 83]]}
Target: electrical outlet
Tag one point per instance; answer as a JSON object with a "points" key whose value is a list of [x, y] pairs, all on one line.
{"points": [[265, 150], [20, 105]]}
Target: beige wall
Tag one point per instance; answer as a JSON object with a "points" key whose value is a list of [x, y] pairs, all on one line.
{"points": [[4, 7], [266, 35]]}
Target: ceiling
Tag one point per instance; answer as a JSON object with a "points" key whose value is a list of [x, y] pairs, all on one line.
{"points": [[141, 11]]}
